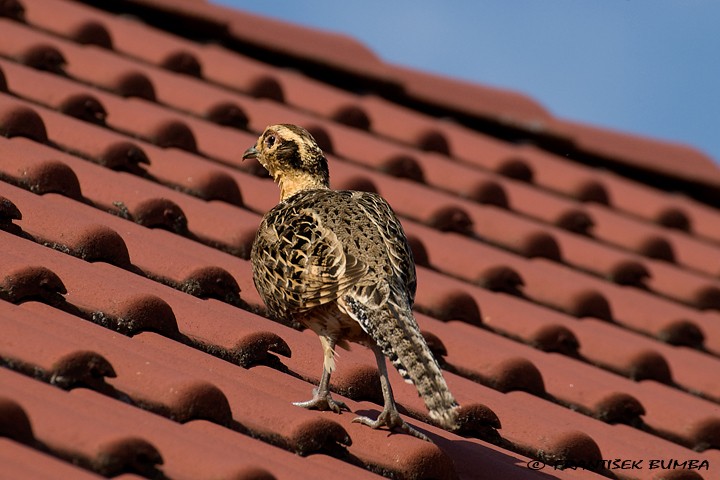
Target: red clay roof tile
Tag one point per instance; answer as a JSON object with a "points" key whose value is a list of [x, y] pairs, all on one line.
{"points": [[324, 48], [22, 281], [21, 121], [21, 461], [651, 155], [569, 331], [553, 173], [567, 388], [106, 445], [65, 364], [502, 106], [703, 219]]}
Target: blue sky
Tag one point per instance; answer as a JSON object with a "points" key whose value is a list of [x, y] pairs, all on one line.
{"points": [[650, 67]]}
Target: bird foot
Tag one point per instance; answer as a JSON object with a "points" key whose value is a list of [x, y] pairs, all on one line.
{"points": [[323, 402], [392, 420]]}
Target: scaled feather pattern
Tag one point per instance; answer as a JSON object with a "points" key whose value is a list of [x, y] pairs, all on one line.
{"points": [[339, 263]]}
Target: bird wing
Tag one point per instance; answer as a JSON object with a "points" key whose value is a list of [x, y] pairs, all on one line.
{"points": [[300, 263], [394, 241]]}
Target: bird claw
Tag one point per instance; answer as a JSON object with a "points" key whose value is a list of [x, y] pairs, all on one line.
{"points": [[323, 403], [392, 420]]}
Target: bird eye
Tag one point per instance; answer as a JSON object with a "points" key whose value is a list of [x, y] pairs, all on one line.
{"points": [[270, 141]]}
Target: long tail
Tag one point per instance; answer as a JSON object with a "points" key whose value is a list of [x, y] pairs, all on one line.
{"points": [[395, 330]]}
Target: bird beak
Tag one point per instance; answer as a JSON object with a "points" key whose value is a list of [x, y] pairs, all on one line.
{"points": [[251, 152]]}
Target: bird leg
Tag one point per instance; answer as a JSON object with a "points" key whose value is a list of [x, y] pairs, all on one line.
{"points": [[321, 395], [389, 417]]}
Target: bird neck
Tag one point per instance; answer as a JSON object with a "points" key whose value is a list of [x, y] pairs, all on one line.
{"points": [[292, 184]]}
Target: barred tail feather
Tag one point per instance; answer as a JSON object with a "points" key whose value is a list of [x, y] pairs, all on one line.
{"points": [[411, 356], [398, 335]]}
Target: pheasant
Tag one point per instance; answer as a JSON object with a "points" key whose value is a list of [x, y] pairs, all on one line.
{"points": [[338, 262]]}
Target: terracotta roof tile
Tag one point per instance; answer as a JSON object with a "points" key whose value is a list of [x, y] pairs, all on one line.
{"points": [[573, 308], [613, 407], [649, 240], [327, 49], [67, 365], [554, 173], [179, 448], [192, 268], [502, 105], [703, 219], [21, 461], [641, 153], [147, 203], [107, 445], [85, 25], [647, 203]]}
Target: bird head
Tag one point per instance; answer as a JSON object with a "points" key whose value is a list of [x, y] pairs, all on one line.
{"points": [[292, 157]]}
